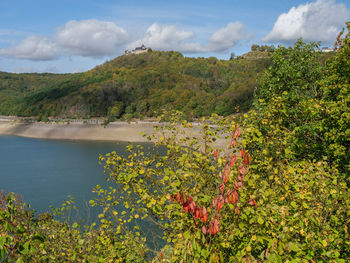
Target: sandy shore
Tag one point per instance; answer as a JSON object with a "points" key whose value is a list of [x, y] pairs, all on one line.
{"points": [[116, 131]]}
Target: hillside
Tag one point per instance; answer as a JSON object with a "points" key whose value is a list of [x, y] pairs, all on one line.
{"points": [[135, 86]]}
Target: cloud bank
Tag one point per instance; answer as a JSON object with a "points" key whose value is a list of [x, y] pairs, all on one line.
{"points": [[87, 38], [167, 37], [32, 48], [171, 37], [227, 37], [317, 21], [96, 39], [91, 38]]}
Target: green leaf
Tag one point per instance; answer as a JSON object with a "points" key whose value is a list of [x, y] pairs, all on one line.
{"points": [[275, 258], [38, 237], [294, 246], [294, 204]]}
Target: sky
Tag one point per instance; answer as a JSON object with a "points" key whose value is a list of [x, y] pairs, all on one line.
{"points": [[76, 35]]}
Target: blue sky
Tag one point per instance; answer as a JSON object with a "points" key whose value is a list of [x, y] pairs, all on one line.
{"points": [[76, 35]]}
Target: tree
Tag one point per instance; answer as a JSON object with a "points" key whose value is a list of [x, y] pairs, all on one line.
{"points": [[288, 99], [254, 47], [335, 103], [115, 111]]}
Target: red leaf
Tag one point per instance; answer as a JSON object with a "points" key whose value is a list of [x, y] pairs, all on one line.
{"points": [[233, 160], [192, 206], [252, 202], [246, 159], [204, 214], [204, 230], [197, 212], [220, 202], [236, 133], [228, 198], [237, 210], [235, 197], [227, 172], [222, 188], [236, 185], [214, 227], [178, 197], [225, 178], [242, 153], [242, 170], [215, 202], [220, 175], [216, 153], [185, 208]]}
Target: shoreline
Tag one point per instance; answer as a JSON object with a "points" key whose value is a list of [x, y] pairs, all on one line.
{"points": [[114, 131]]}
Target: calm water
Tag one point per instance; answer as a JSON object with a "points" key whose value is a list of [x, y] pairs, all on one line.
{"points": [[45, 172]]}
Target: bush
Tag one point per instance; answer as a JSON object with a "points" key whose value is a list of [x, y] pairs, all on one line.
{"points": [[304, 107], [24, 238], [215, 205]]}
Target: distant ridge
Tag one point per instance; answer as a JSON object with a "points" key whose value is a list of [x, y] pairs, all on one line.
{"points": [[136, 86]]}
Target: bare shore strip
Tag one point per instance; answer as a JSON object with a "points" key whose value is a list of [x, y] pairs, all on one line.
{"points": [[115, 131]]}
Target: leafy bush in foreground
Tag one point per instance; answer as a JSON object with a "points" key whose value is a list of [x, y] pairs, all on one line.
{"points": [[218, 206], [305, 106], [25, 238]]}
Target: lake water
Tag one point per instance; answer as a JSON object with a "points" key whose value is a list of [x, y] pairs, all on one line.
{"points": [[45, 172]]}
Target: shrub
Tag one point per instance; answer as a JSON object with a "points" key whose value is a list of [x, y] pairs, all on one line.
{"points": [[219, 205]]}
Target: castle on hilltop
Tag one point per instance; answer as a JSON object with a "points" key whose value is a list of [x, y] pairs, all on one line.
{"points": [[137, 50]]}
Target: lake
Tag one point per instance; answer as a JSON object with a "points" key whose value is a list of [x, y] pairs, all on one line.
{"points": [[45, 172]]}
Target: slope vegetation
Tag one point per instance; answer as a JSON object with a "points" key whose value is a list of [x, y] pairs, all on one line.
{"points": [[136, 86]]}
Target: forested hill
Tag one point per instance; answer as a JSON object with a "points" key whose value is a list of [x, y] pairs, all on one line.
{"points": [[136, 86]]}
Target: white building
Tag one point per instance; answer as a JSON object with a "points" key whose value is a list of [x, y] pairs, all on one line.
{"points": [[137, 50]]}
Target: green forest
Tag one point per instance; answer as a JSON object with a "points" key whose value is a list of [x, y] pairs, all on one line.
{"points": [[137, 86], [278, 191]]}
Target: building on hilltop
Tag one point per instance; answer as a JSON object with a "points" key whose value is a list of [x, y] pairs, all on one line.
{"points": [[326, 49], [137, 50]]}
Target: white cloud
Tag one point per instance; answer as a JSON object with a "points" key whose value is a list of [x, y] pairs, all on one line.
{"points": [[166, 37], [91, 38], [96, 39], [317, 21], [32, 48], [170, 37], [227, 37], [88, 38]]}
